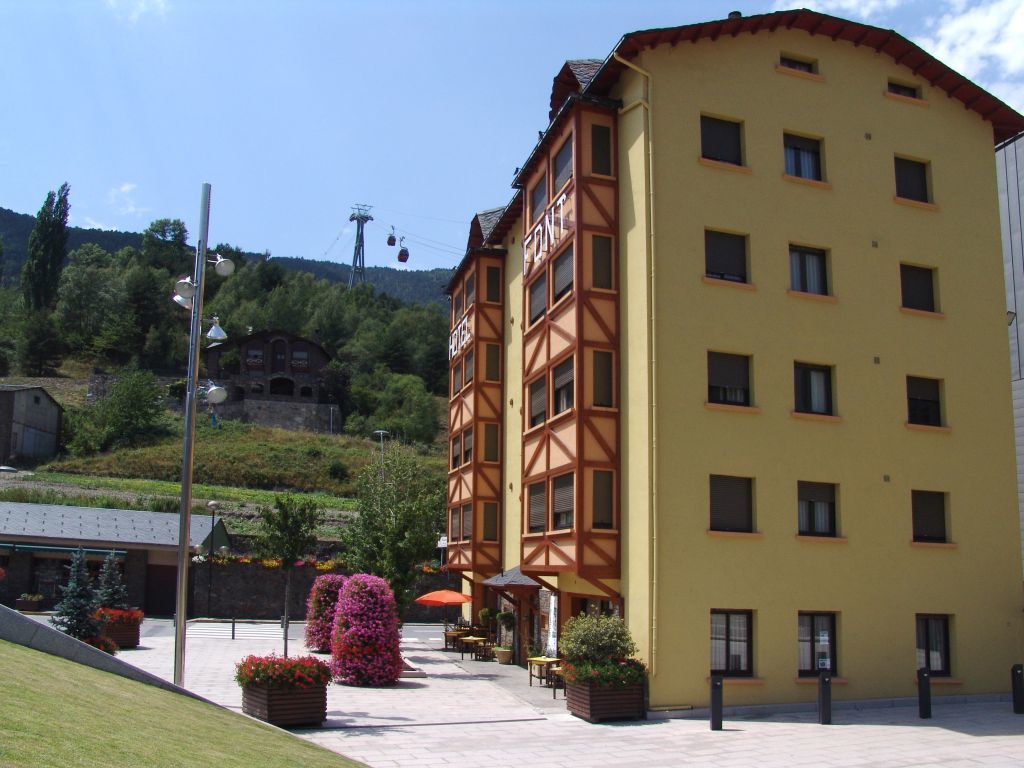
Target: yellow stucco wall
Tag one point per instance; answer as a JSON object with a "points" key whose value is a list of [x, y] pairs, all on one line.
{"points": [[512, 429], [875, 581]]}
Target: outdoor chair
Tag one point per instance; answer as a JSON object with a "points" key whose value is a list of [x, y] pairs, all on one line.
{"points": [[556, 678]]}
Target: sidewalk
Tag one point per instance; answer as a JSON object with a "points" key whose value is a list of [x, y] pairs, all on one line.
{"points": [[470, 713]]}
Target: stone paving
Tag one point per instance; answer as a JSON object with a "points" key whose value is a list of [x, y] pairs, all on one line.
{"points": [[471, 713]]}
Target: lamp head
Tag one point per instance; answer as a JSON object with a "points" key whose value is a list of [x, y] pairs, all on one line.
{"points": [[181, 301], [216, 333], [185, 287], [223, 267], [215, 395]]}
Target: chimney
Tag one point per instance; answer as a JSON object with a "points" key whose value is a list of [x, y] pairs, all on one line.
{"points": [[735, 15]]}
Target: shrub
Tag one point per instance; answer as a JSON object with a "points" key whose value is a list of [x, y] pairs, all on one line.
{"points": [[605, 674], [338, 471], [597, 650], [111, 591], [117, 616], [323, 599], [103, 643], [365, 639], [275, 671]]}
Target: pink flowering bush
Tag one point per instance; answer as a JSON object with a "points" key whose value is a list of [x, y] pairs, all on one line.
{"points": [[364, 643], [323, 598]]}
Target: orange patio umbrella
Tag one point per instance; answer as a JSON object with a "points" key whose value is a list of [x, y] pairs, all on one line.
{"points": [[444, 597]]}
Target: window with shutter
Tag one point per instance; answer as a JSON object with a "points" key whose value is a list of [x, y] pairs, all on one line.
{"points": [[456, 452], [816, 509], [538, 402], [490, 442], [929, 514], [917, 287], [470, 290], [467, 446], [455, 523], [603, 500], [911, 180], [470, 366], [603, 396], [492, 370], [538, 200], [490, 521], [467, 522], [493, 284], [563, 270], [537, 508], [731, 503], [456, 378], [562, 386], [725, 256], [538, 298], [457, 306], [601, 257], [563, 165], [728, 379], [601, 149], [562, 501], [924, 404], [803, 156], [720, 140]]}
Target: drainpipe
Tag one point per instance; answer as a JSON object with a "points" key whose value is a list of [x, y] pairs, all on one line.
{"points": [[652, 387]]}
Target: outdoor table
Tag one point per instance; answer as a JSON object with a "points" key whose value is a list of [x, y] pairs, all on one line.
{"points": [[468, 640], [451, 638], [541, 664]]}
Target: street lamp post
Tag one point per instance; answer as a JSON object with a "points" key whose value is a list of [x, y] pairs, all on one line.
{"points": [[213, 506], [381, 433]]}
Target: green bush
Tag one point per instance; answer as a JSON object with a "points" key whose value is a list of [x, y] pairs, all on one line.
{"points": [[595, 639], [338, 471]]}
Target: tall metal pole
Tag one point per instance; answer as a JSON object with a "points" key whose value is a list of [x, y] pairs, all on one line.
{"points": [[188, 441], [360, 215]]}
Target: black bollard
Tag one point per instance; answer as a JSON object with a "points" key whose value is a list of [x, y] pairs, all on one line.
{"points": [[825, 698], [924, 693], [716, 702], [232, 627], [1017, 686]]}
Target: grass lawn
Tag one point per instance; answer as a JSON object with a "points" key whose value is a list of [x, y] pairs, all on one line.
{"points": [[56, 713]]}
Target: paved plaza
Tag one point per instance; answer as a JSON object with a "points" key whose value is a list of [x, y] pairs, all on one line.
{"points": [[473, 713]]}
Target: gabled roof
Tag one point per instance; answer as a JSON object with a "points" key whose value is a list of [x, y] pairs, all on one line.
{"points": [[272, 333], [1006, 122], [481, 227], [574, 76], [485, 234], [513, 577], [95, 525], [26, 387]]}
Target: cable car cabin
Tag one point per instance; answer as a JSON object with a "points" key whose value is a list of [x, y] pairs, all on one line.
{"points": [[403, 254]]}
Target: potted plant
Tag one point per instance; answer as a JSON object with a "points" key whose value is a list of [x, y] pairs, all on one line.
{"points": [[117, 620], [486, 614], [602, 680], [507, 619], [29, 601], [503, 653], [284, 691]]}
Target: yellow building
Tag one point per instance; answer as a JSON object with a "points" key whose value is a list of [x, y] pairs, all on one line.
{"points": [[737, 367]]}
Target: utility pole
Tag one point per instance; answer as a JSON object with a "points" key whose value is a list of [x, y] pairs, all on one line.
{"points": [[360, 215]]}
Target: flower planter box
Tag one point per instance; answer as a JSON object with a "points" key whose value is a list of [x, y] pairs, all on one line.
{"points": [[125, 635], [594, 704], [286, 706], [26, 605]]}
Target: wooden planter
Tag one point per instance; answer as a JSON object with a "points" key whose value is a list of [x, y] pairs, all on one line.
{"points": [[286, 706], [125, 635], [26, 605], [594, 704]]}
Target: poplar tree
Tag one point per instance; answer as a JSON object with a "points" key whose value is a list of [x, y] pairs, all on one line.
{"points": [[47, 247]]}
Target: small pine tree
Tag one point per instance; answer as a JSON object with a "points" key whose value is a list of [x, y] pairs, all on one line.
{"points": [[73, 614], [111, 591]]}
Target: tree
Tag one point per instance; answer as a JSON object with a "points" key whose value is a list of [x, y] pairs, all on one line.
{"points": [[111, 591], [47, 247], [37, 348], [165, 246], [287, 533], [131, 413], [73, 614], [400, 517]]}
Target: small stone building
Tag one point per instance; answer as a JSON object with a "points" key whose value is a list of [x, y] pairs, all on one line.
{"points": [[29, 423]]}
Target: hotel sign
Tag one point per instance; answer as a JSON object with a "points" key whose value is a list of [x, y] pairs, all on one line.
{"points": [[459, 337], [554, 226]]}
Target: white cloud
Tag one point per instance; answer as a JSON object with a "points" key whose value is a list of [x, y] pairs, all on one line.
{"points": [[983, 39], [133, 10], [88, 222], [863, 9], [122, 199]]}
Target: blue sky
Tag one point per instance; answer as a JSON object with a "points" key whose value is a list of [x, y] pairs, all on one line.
{"points": [[294, 111]]}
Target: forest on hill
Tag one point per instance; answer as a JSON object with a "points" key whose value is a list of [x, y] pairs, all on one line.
{"points": [[108, 304]]}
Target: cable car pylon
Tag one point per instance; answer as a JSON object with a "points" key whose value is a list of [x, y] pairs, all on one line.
{"points": [[360, 215]]}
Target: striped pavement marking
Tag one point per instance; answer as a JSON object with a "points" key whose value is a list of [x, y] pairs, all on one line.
{"points": [[243, 630]]}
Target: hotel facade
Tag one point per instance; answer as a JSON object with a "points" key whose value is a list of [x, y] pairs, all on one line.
{"points": [[732, 364]]}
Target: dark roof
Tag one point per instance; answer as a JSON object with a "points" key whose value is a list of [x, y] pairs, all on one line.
{"points": [[1006, 122], [90, 525], [574, 76], [233, 342], [480, 231], [25, 387], [513, 577]]}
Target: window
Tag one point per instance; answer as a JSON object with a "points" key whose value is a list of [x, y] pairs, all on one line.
{"points": [[602, 261], [562, 281], [537, 510], [538, 199], [803, 156], [538, 298], [604, 501], [816, 642], [300, 359], [469, 366], [731, 643], [563, 165], [929, 511], [562, 386], [911, 180], [490, 442], [800, 65], [455, 523], [538, 402], [917, 286], [603, 397], [492, 365], [725, 256], [490, 521], [470, 290], [816, 509], [467, 446], [807, 272], [728, 379], [456, 452], [456, 378], [910, 91], [924, 405], [933, 644], [731, 503], [720, 140], [562, 501], [493, 283], [601, 149], [813, 384], [467, 522], [457, 304]]}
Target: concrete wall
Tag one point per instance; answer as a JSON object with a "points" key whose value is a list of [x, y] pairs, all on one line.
{"points": [[308, 417]]}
